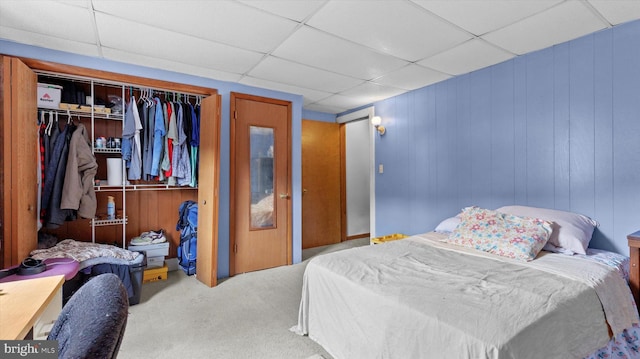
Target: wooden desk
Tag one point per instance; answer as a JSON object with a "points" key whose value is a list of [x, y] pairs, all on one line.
{"points": [[23, 302]]}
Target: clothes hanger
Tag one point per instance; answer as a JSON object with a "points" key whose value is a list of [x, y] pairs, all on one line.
{"points": [[49, 124], [150, 98]]}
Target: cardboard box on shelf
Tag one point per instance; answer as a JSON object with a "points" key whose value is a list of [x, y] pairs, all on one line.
{"points": [[154, 275], [49, 95]]}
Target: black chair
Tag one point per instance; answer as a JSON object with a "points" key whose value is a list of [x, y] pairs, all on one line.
{"points": [[92, 323]]}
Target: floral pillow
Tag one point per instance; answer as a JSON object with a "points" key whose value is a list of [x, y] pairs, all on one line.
{"points": [[500, 233]]}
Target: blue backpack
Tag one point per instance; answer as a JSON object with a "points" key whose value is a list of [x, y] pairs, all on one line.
{"points": [[188, 227]]}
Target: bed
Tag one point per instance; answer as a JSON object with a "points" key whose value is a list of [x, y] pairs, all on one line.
{"points": [[429, 296]]}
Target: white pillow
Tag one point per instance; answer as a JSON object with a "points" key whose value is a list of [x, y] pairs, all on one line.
{"points": [[571, 231], [448, 225]]}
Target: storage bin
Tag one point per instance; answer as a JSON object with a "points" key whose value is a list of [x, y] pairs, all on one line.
{"points": [[135, 273], [152, 250], [156, 274], [49, 95]]}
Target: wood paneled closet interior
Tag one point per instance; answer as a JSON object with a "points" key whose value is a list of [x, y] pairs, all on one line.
{"points": [[144, 204]]}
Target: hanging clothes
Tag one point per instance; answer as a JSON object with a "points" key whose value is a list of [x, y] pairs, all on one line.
{"points": [[142, 110], [181, 162], [54, 181], [172, 141], [165, 163], [194, 142], [41, 167], [158, 138], [77, 191], [52, 133], [147, 160], [131, 150]]}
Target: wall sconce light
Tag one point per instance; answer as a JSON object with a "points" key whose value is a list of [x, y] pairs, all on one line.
{"points": [[376, 121]]}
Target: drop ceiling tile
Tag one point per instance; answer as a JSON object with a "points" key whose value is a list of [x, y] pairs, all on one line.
{"points": [[619, 11], [79, 3], [400, 28], [370, 92], [168, 65], [291, 73], [48, 18], [310, 95], [294, 10], [319, 49], [324, 108], [480, 17], [411, 77], [561, 23], [48, 42], [125, 35], [228, 22], [470, 56], [343, 102]]}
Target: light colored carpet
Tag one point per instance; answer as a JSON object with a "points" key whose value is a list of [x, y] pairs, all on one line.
{"points": [[246, 316]]}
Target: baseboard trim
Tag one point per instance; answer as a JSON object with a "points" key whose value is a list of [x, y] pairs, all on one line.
{"points": [[356, 236]]}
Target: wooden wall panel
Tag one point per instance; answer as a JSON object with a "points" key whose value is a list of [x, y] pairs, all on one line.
{"points": [[539, 120], [480, 129], [581, 124], [421, 151], [561, 115], [625, 84], [146, 210], [502, 155], [463, 143], [603, 128], [556, 128]]}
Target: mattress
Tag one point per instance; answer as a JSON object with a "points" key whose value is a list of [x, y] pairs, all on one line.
{"points": [[418, 297]]}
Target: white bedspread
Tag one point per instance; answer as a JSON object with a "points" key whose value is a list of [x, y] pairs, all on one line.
{"points": [[419, 298]]}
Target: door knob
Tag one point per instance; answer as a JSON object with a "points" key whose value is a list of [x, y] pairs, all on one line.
{"points": [[284, 195], [304, 190]]}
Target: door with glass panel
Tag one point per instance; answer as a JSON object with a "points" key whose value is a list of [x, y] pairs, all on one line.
{"points": [[260, 185]]}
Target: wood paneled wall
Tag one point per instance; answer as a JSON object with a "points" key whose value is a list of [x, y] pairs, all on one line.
{"points": [[557, 128], [146, 210]]}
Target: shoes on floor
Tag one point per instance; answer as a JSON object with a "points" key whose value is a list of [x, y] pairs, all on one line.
{"points": [[151, 237]]}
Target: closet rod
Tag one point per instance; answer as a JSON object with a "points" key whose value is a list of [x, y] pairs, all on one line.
{"points": [[149, 91]]}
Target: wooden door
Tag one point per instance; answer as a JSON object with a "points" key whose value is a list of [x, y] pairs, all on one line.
{"points": [[19, 160], [260, 190], [208, 179], [321, 184]]}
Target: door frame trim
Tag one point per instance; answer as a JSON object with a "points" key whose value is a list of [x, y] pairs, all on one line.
{"points": [[210, 278], [232, 175], [367, 113]]}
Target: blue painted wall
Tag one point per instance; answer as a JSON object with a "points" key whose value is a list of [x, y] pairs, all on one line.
{"points": [[558, 128], [224, 89], [318, 116]]}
